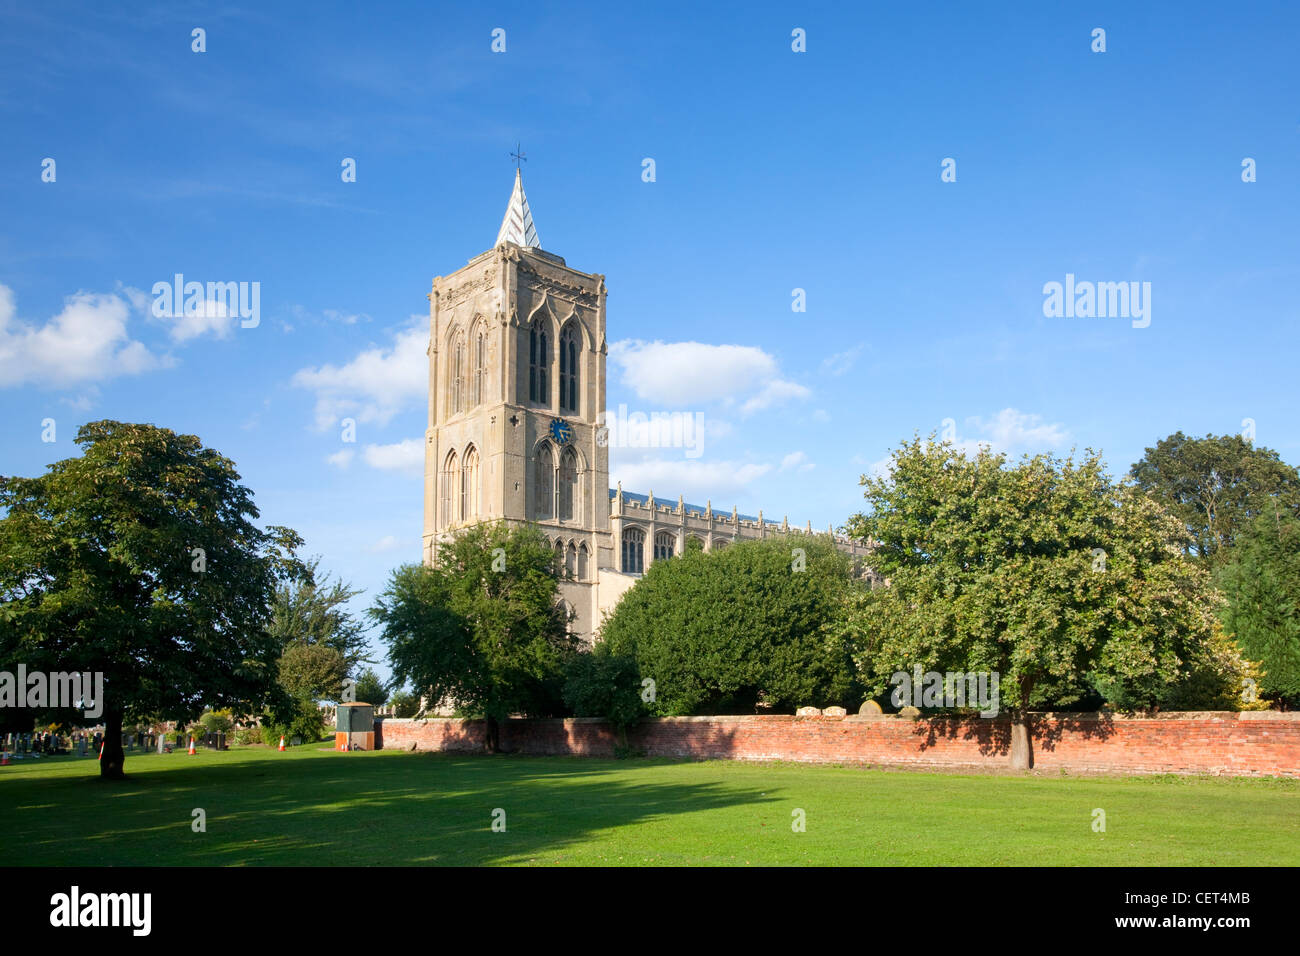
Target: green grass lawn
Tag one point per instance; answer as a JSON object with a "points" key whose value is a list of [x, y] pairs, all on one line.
{"points": [[314, 806]]}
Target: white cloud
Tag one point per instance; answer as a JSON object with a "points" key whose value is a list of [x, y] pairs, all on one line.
{"points": [[1011, 430], [341, 458], [685, 373], [774, 393], [693, 479], [375, 385], [211, 316], [796, 460], [347, 318], [1008, 432], [407, 456], [87, 342], [326, 316]]}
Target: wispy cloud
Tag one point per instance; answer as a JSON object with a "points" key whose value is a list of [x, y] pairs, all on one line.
{"points": [[841, 362]]}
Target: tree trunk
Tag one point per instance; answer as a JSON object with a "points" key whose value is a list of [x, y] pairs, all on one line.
{"points": [[493, 741], [1022, 746], [113, 762], [1022, 740]]}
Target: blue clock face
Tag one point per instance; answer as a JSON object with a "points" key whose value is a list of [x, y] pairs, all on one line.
{"points": [[561, 431]]}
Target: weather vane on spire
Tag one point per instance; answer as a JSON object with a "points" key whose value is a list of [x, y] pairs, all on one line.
{"points": [[518, 156]]}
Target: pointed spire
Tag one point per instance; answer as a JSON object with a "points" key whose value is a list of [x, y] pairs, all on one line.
{"points": [[681, 505], [517, 226]]}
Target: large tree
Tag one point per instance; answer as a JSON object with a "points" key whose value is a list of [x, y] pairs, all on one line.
{"points": [[1045, 572], [1261, 580], [720, 632], [1216, 485], [370, 689], [484, 628], [310, 609], [140, 560]]}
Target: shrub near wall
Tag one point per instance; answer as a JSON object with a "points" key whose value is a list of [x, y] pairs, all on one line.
{"points": [[718, 632]]}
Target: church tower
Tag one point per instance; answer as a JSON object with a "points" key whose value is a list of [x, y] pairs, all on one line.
{"points": [[516, 398]]}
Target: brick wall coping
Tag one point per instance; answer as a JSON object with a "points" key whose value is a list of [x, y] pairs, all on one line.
{"points": [[1290, 716]]}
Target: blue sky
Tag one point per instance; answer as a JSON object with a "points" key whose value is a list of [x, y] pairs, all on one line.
{"points": [[775, 170]]}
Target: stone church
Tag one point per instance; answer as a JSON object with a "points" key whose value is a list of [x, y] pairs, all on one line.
{"points": [[516, 424]]}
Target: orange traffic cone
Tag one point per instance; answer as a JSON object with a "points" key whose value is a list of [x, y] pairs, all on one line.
{"points": [[192, 750], [281, 745]]}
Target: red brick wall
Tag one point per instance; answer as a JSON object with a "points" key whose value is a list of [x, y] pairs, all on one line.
{"points": [[1260, 743]]}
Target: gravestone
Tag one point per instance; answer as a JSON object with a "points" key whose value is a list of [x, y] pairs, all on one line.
{"points": [[911, 713], [870, 709], [808, 712], [834, 712]]}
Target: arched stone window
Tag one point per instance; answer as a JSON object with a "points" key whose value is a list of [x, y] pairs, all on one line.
{"points": [[469, 485], [544, 481], [480, 365], [559, 555], [719, 544], [571, 560], [694, 543], [450, 487], [458, 374], [568, 483], [539, 364], [569, 369], [583, 554], [665, 545], [633, 550]]}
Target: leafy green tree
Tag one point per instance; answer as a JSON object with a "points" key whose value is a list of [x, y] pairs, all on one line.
{"points": [[140, 560], [1216, 486], [312, 672], [405, 703], [483, 628], [370, 689], [305, 720], [1261, 580], [1045, 572], [603, 684], [217, 721], [311, 610], [719, 631]]}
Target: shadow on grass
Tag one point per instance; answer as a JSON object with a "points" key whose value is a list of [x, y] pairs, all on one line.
{"points": [[376, 809]]}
